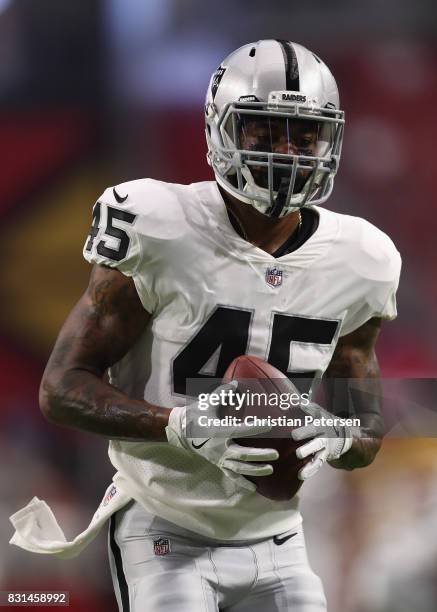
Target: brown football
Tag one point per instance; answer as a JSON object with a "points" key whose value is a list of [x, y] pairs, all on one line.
{"points": [[258, 376]]}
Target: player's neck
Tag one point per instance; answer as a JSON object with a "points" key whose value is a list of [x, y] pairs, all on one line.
{"points": [[261, 231]]}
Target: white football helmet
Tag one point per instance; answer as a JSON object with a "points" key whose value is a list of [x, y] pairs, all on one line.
{"points": [[273, 126]]}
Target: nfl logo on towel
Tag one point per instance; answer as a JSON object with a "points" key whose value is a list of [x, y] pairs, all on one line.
{"points": [[274, 277], [110, 494], [161, 546]]}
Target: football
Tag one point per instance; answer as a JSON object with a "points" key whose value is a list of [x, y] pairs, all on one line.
{"points": [[257, 376]]}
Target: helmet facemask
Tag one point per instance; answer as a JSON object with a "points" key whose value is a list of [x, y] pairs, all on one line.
{"points": [[278, 157]]}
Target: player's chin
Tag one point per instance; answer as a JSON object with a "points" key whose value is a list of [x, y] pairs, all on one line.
{"points": [[281, 179]]}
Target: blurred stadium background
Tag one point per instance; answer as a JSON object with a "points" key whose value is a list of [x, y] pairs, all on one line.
{"points": [[99, 92]]}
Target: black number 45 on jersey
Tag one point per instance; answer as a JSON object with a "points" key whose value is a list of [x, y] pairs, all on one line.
{"points": [[226, 334]]}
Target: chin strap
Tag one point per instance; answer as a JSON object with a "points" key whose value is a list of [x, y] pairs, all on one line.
{"points": [[280, 200], [247, 198]]}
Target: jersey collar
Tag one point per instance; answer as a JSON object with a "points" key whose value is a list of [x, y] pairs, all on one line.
{"points": [[214, 217]]}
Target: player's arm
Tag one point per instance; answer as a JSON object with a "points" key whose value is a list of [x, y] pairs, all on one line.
{"points": [[100, 330], [102, 327], [355, 358], [327, 439]]}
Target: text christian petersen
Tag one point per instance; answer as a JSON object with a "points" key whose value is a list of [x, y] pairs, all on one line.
{"points": [[281, 421]]}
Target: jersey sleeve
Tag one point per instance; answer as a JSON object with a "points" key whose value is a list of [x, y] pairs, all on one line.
{"points": [[115, 240], [378, 282]]}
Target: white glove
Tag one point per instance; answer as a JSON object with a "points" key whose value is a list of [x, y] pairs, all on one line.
{"points": [[326, 442], [234, 460]]}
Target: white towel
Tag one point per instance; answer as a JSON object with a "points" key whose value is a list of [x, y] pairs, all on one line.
{"points": [[37, 530]]}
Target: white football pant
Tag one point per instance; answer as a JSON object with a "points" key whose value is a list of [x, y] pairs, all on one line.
{"points": [[157, 566]]}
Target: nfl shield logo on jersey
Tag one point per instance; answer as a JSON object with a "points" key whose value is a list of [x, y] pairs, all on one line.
{"points": [[161, 546], [274, 277]]}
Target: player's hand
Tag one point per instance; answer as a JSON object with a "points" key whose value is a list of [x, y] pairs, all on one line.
{"points": [[326, 442], [221, 449]]}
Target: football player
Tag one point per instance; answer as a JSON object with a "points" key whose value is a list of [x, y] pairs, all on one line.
{"points": [[185, 279]]}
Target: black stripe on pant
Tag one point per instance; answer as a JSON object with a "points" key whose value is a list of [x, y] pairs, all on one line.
{"points": [[116, 553]]}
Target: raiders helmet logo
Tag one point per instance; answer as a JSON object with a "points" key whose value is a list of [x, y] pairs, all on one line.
{"points": [[217, 77]]}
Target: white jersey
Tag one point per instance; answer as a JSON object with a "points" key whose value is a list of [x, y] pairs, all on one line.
{"points": [[212, 297]]}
